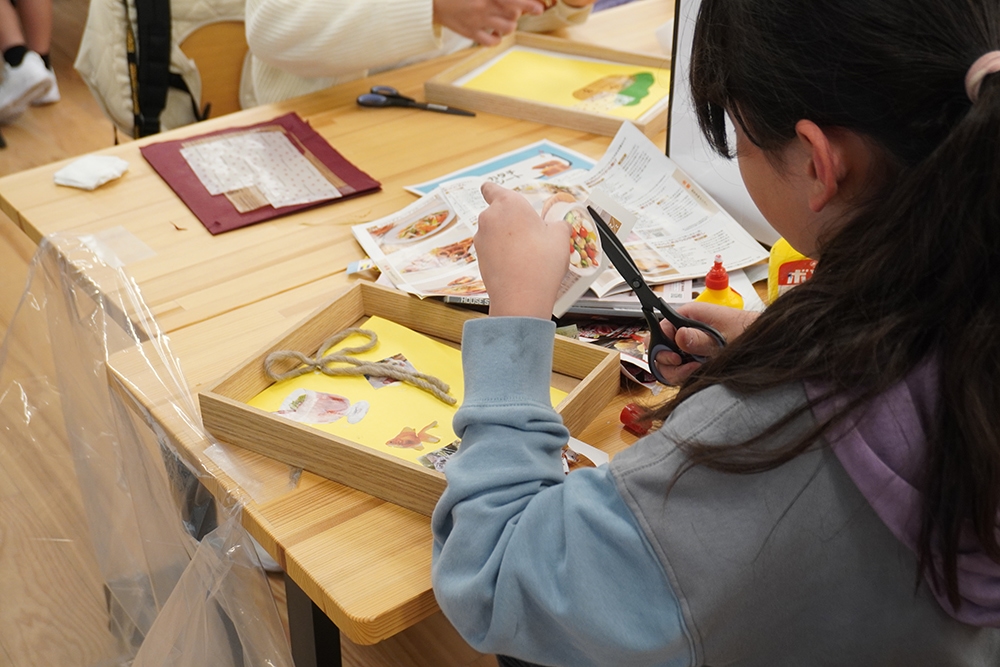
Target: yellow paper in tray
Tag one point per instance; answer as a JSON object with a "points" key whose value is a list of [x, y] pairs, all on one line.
{"points": [[585, 84], [389, 416]]}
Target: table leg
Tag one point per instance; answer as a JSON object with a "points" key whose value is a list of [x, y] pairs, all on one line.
{"points": [[315, 639]]}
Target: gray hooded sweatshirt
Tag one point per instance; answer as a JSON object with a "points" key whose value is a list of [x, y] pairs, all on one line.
{"points": [[808, 564]]}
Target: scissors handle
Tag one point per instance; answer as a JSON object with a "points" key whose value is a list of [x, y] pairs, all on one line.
{"points": [[659, 341], [389, 91], [379, 100], [651, 303]]}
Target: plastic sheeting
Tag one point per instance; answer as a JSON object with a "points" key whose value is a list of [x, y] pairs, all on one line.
{"points": [[111, 550]]}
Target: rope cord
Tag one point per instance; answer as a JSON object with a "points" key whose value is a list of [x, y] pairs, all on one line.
{"points": [[353, 366]]}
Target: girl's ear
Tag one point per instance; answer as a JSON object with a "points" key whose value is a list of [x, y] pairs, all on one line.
{"points": [[826, 166]]}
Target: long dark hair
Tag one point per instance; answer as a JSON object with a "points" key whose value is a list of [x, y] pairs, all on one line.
{"points": [[915, 274]]}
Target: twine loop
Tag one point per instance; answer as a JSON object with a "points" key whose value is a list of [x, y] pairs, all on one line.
{"points": [[350, 365]]}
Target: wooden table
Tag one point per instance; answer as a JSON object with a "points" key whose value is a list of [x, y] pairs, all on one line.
{"points": [[364, 562]]}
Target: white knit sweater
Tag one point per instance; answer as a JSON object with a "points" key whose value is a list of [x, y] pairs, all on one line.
{"points": [[300, 46]]}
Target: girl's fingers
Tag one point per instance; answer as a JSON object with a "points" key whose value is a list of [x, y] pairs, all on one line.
{"points": [[694, 341], [675, 375], [668, 359]]}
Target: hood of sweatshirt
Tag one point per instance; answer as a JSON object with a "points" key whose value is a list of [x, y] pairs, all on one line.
{"points": [[882, 451]]}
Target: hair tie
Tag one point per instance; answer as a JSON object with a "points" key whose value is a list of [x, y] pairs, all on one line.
{"points": [[986, 64]]}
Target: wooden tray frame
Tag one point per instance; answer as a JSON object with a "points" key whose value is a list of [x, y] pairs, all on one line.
{"points": [[227, 416], [441, 89]]}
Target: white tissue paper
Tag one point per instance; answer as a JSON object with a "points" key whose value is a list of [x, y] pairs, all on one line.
{"points": [[91, 171]]}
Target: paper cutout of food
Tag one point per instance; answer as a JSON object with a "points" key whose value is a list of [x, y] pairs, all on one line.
{"points": [[397, 361], [409, 438], [316, 407], [584, 251]]}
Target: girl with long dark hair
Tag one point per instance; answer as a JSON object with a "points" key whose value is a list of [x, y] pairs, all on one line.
{"points": [[825, 490]]}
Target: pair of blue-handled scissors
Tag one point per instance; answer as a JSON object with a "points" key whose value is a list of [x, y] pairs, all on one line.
{"points": [[658, 341], [387, 96]]}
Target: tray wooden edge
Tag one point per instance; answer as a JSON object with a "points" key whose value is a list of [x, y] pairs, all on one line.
{"points": [[227, 416]]}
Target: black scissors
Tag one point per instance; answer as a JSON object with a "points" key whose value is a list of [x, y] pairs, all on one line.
{"points": [[387, 96], [651, 303]]}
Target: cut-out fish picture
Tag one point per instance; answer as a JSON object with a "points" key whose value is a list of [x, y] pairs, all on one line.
{"points": [[409, 438], [317, 407]]}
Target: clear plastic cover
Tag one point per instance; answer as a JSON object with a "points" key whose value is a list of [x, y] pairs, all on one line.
{"points": [[112, 551]]}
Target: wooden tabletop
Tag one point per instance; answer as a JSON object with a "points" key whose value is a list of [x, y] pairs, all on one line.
{"points": [[364, 561]]}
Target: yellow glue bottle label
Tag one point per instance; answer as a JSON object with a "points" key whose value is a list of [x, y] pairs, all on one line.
{"points": [[722, 297], [787, 268]]}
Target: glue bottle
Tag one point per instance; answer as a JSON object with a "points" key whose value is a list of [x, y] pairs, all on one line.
{"points": [[717, 289], [786, 268]]}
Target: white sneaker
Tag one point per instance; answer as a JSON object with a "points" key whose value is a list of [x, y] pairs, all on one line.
{"points": [[21, 85], [50, 97]]}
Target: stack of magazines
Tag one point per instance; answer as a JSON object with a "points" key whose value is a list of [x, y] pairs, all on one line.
{"points": [[674, 232]]}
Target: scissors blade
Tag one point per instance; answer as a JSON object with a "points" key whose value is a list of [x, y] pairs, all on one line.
{"points": [[441, 108], [652, 305], [623, 263]]}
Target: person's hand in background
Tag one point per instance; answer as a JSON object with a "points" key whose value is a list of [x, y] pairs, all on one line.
{"points": [[484, 21]]}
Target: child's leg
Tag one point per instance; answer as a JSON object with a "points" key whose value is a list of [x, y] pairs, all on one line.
{"points": [[26, 79], [10, 27], [36, 22]]}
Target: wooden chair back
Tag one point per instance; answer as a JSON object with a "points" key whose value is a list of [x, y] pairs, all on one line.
{"points": [[218, 49]]}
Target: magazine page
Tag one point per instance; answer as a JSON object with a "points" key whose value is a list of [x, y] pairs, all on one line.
{"points": [[426, 249], [541, 161], [679, 228], [625, 303]]}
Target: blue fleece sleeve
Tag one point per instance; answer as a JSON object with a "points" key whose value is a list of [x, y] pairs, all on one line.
{"points": [[530, 562]]}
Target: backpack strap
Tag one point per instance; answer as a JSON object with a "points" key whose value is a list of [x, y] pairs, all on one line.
{"points": [[149, 64]]}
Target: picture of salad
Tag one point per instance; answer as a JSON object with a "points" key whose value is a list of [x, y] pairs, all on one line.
{"points": [[584, 249], [583, 239]]}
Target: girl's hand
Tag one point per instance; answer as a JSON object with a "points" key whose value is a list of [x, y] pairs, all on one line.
{"points": [[522, 259], [727, 321]]}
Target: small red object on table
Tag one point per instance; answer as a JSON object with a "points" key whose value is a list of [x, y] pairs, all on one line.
{"points": [[632, 419]]}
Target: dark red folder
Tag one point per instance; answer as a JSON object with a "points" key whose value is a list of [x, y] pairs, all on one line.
{"points": [[216, 212]]}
